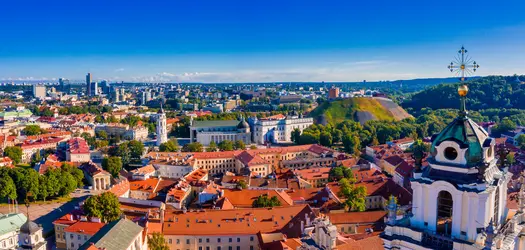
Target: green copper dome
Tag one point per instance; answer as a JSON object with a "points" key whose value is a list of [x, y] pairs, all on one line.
{"points": [[468, 135]]}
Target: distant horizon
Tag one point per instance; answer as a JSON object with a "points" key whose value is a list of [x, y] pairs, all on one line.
{"points": [[82, 81]]}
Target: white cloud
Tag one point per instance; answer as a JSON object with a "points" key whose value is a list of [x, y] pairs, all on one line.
{"points": [[119, 70]]}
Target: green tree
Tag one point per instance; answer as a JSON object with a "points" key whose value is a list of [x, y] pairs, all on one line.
{"points": [[239, 145], [242, 184], [68, 184], [510, 159], [136, 149], [75, 172], [521, 141], [42, 184], [226, 145], [32, 130], [101, 134], [113, 165], [36, 158], [212, 147], [264, 201], [104, 206], [296, 135], [131, 120], [351, 143], [14, 152], [337, 136], [354, 196], [419, 150], [192, 147], [157, 242], [7, 188], [169, 146], [253, 147], [336, 173], [325, 139], [52, 182]]}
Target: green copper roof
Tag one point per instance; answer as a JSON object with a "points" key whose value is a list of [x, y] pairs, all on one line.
{"points": [[22, 113], [11, 222], [117, 235], [467, 134]]}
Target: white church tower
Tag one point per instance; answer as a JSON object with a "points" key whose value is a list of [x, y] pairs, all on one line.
{"points": [[460, 199], [162, 133]]}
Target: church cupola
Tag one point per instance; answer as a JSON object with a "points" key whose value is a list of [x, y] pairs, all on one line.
{"points": [[463, 144]]}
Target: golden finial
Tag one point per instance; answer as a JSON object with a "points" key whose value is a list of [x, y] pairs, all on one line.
{"points": [[463, 90]]}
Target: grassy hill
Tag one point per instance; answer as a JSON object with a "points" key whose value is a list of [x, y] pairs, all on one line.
{"points": [[359, 109]]}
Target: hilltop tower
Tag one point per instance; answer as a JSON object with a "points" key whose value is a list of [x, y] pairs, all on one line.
{"points": [[162, 133]]}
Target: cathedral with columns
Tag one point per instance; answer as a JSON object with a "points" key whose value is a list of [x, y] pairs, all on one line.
{"points": [[459, 199]]}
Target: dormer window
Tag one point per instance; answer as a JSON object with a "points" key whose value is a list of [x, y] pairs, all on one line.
{"points": [[451, 153]]}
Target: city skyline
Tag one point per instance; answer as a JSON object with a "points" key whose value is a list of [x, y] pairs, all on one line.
{"points": [[237, 42]]}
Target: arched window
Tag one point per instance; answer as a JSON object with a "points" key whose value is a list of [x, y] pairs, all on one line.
{"points": [[444, 213]]}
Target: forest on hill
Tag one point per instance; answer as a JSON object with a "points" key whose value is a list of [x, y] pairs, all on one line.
{"points": [[492, 92]]}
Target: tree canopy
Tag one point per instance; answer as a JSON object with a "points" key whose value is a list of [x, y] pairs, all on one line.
{"points": [[264, 201], [14, 152], [33, 130], [113, 165], [157, 242], [192, 147], [169, 146], [104, 206]]}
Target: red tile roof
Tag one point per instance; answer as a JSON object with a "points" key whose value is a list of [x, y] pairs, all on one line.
{"points": [[357, 217], [244, 198], [77, 145], [237, 221], [85, 227]]}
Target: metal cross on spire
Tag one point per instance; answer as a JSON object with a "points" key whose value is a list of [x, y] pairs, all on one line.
{"points": [[463, 65]]}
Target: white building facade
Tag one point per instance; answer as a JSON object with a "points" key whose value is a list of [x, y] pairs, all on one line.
{"points": [[206, 132], [460, 199], [278, 129]]}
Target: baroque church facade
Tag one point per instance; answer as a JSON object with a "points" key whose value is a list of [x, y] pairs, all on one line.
{"points": [[460, 198]]}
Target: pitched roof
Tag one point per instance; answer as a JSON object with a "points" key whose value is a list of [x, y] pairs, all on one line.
{"points": [[244, 198], [357, 217], [250, 159], [117, 235], [11, 222], [313, 173], [149, 169], [148, 185], [237, 221], [85, 227]]}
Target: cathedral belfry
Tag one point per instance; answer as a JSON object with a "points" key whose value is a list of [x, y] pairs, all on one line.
{"points": [[460, 194]]}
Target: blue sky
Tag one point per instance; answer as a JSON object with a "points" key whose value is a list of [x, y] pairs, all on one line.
{"points": [[256, 41]]}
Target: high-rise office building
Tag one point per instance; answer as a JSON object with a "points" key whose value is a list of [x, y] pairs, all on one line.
{"points": [[88, 84], [39, 91], [93, 89], [104, 87], [64, 85]]}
